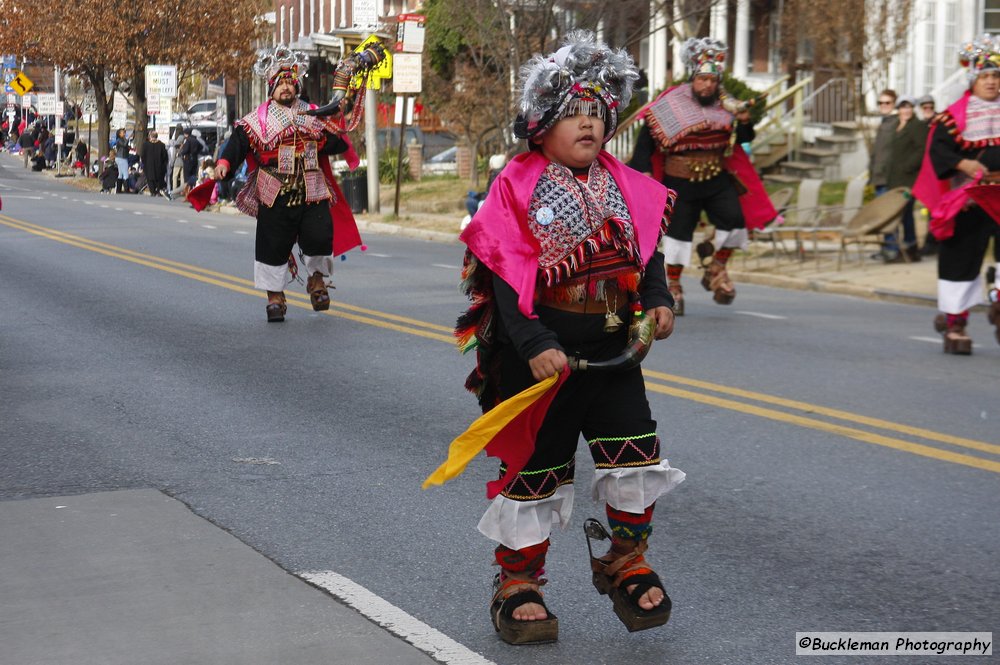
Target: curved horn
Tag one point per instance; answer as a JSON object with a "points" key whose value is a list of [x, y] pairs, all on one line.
{"points": [[640, 339]]}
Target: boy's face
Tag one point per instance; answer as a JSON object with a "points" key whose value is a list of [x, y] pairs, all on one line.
{"points": [[574, 141]]}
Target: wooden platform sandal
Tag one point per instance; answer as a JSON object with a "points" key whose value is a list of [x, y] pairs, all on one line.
{"points": [[276, 307], [716, 279], [318, 295], [612, 577], [956, 341], [511, 593], [994, 313]]}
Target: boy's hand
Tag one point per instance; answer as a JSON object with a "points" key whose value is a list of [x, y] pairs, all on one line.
{"points": [[664, 317], [547, 363]]}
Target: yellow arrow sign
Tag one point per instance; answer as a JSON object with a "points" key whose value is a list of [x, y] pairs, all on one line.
{"points": [[21, 84], [383, 71]]}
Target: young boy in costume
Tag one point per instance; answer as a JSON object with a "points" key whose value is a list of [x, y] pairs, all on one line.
{"points": [[560, 257]]}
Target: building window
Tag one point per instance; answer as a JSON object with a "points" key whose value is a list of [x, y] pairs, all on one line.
{"points": [[991, 16]]}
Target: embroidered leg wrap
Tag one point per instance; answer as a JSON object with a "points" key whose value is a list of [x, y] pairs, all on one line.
{"points": [[629, 526], [519, 583], [676, 290]]}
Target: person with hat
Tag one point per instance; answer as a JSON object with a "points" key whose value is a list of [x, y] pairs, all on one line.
{"points": [[905, 155], [963, 152], [562, 263], [688, 143], [290, 188], [926, 106], [189, 152]]}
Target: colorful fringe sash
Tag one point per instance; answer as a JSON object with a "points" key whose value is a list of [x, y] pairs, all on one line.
{"points": [[506, 431]]}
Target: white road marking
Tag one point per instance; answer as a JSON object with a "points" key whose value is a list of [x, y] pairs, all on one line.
{"points": [[104, 206], [138, 213], [378, 256], [762, 316], [446, 266], [207, 226], [120, 209], [933, 340], [182, 221], [242, 233], [24, 196], [433, 642]]}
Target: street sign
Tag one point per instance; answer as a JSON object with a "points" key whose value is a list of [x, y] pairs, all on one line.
{"points": [[410, 33], [47, 103], [152, 104], [89, 103], [59, 135], [161, 80], [8, 76], [364, 14], [402, 100], [21, 84], [383, 71], [407, 74]]}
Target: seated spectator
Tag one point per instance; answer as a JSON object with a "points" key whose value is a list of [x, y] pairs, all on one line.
{"points": [[109, 175]]}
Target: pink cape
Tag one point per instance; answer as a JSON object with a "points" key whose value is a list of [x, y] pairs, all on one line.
{"points": [[935, 193], [758, 211], [500, 238]]}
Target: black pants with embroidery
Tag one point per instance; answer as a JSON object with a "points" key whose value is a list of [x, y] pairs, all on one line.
{"points": [[281, 225], [610, 409]]}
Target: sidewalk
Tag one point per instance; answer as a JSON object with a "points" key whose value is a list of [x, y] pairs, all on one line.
{"points": [[133, 576]]}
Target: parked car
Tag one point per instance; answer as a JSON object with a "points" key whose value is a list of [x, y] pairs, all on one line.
{"points": [[201, 111]]}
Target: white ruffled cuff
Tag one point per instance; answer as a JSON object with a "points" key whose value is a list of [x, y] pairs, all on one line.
{"points": [[635, 489], [519, 524]]}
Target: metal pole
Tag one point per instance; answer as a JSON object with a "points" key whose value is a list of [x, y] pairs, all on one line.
{"points": [[399, 155], [58, 121], [371, 151]]}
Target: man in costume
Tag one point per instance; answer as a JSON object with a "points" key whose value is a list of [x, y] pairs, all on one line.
{"points": [[687, 144], [290, 188], [562, 255], [963, 153]]}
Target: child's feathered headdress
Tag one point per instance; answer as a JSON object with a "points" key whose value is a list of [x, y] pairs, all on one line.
{"points": [[583, 76]]}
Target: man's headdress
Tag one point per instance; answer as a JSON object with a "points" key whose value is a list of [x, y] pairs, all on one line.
{"points": [[583, 76], [704, 55], [978, 55], [281, 63]]}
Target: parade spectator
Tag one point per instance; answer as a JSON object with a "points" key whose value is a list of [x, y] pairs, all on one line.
{"points": [[189, 152], [154, 164], [27, 143], [109, 174], [906, 153], [927, 110], [879, 160], [121, 148]]}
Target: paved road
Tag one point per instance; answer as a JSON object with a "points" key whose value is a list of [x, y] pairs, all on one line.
{"points": [[842, 472]]}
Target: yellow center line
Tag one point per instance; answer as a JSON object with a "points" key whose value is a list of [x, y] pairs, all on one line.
{"points": [[191, 270], [849, 432], [825, 411], [426, 330]]}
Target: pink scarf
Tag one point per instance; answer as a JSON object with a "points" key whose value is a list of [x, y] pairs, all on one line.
{"points": [[499, 237]]}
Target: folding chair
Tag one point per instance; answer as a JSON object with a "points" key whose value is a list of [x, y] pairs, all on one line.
{"points": [[873, 221], [780, 200], [804, 215]]}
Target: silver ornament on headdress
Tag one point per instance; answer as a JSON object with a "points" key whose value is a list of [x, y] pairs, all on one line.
{"points": [[979, 54], [698, 51], [272, 60], [582, 67]]}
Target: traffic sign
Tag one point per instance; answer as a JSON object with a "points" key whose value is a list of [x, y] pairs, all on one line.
{"points": [[364, 14], [407, 74], [410, 33], [384, 69], [161, 80], [21, 84]]}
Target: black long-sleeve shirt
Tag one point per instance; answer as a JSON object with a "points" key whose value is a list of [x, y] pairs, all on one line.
{"points": [[530, 336], [238, 146]]}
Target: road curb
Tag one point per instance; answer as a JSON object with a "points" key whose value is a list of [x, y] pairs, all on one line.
{"points": [[396, 229], [805, 284]]}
